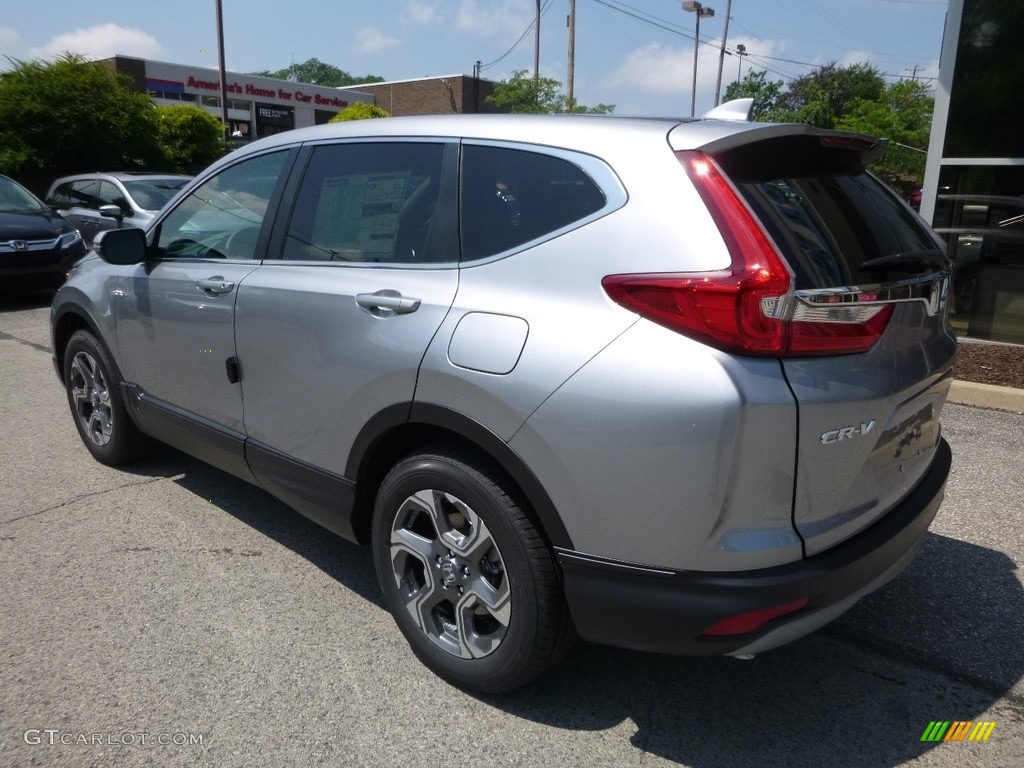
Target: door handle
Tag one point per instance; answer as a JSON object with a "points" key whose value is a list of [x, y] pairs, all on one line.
{"points": [[216, 284], [387, 303]]}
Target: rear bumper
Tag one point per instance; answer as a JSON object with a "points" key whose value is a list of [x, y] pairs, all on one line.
{"points": [[651, 609]]}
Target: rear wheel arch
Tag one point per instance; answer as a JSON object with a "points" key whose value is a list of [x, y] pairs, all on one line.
{"points": [[403, 429]]}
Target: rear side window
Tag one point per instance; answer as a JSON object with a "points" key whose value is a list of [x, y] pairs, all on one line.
{"points": [[369, 202], [510, 197], [61, 197]]}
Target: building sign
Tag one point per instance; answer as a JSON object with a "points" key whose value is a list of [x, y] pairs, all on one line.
{"points": [[274, 114], [284, 94]]}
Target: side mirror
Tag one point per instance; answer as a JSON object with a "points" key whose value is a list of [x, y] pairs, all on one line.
{"points": [[121, 246], [112, 212]]}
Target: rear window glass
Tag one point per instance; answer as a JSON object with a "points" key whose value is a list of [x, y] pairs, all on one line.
{"points": [[828, 226], [826, 214]]}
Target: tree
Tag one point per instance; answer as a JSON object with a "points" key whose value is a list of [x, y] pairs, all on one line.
{"points": [[525, 94], [189, 137], [756, 86], [72, 115], [824, 95], [360, 110], [903, 115], [316, 72]]}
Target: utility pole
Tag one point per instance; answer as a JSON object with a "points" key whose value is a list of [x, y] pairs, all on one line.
{"points": [[571, 71], [721, 53], [223, 73], [536, 43]]}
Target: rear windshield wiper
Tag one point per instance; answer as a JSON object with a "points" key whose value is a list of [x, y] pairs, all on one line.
{"points": [[908, 261]]}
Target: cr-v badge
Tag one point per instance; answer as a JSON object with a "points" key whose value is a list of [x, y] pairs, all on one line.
{"points": [[846, 433]]}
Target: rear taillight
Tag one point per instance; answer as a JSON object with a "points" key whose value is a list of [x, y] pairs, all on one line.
{"points": [[750, 308]]}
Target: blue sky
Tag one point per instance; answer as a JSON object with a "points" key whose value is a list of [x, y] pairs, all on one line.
{"points": [[640, 66]]}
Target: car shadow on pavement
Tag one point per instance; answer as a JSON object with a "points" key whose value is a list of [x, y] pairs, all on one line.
{"points": [[347, 563], [944, 641]]}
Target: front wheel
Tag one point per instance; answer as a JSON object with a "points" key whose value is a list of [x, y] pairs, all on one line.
{"points": [[467, 577], [96, 405]]}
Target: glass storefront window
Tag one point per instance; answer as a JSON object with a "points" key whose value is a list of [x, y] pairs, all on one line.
{"points": [[979, 212], [989, 62]]}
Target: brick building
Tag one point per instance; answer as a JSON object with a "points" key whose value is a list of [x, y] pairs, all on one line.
{"points": [[450, 95]]}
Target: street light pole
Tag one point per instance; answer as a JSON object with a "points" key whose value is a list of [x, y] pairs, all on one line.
{"points": [[700, 10], [571, 71], [223, 73], [721, 53], [741, 51]]}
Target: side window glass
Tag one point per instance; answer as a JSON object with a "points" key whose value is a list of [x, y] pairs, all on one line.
{"points": [[111, 195], [83, 193], [61, 197], [511, 196], [221, 218], [368, 202]]}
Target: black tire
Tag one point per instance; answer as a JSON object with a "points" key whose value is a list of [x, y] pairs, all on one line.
{"points": [[94, 395], [480, 603]]}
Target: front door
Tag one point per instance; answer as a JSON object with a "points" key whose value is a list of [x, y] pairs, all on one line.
{"points": [[176, 311]]}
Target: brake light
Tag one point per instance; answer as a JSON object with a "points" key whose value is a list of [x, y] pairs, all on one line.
{"points": [[742, 623], [750, 308]]}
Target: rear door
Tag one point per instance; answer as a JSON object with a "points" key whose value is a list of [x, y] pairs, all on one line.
{"points": [[868, 422], [332, 332]]}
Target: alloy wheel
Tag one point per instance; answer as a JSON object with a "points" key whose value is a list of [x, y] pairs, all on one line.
{"points": [[90, 394], [450, 574]]}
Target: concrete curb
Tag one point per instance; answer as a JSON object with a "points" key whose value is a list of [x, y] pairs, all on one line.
{"points": [[986, 396]]}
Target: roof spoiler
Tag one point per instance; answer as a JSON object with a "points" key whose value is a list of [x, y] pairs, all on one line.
{"points": [[737, 109]]}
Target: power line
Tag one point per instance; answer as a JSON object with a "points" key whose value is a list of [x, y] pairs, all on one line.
{"points": [[544, 9]]}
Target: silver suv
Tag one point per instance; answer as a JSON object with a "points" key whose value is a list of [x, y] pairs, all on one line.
{"points": [[95, 202], [667, 385]]}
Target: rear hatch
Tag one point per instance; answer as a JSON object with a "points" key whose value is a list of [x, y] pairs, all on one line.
{"points": [[865, 266]]}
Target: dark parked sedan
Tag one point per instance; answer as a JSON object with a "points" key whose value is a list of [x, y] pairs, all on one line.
{"points": [[37, 246]]}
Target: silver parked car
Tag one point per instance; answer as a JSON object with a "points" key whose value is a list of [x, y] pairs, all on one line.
{"points": [[96, 202], [668, 385]]}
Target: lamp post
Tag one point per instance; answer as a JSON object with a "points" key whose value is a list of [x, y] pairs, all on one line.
{"points": [[223, 74], [700, 10], [741, 51]]}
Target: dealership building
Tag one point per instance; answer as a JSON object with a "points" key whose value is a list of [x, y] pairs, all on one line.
{"points": [[257, 106], [974, 181]]}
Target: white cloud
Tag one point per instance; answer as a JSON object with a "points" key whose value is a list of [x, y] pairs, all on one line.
{"points": [[664, 69], [372, 40], [9, 38], [494, 18], [658, 79], [102, 42], [422, 12]]}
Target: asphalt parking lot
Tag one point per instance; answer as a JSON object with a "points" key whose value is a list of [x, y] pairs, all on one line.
{"points": [[171, 615]]}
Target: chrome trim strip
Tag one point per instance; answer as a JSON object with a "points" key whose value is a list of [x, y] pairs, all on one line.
{"points": [[931, 289], [7, 246]]}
